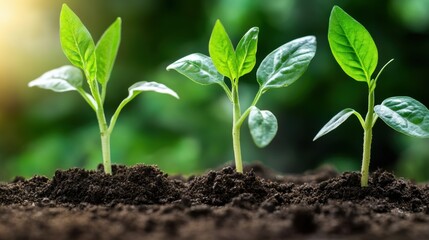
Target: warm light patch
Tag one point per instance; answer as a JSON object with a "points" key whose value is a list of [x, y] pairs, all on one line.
{"points": [[28, 30]]}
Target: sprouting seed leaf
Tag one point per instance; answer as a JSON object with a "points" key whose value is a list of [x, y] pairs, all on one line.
{"points": [[286, 64], [405, 115], [222, 52], [263, 126], [246, 51], [352, 45], [106, 51], [77, 43], [336, 121], [143, 86], [63, 79], [199, 68]]}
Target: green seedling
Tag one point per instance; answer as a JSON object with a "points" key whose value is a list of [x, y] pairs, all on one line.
{"points": [[93, 62], [280, 68], [356, 53]]}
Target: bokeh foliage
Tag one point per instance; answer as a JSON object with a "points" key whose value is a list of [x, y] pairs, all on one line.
{"points": [[42, 131]]}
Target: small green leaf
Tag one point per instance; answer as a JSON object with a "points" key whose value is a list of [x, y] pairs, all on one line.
{"points": [[63, 79], [106, 51], [199, 68], [352, 45], [263, 126], [140, 87], [336, 121], [286, 64], [405, 115], [77, 43], [246, 51], [222, 52]]}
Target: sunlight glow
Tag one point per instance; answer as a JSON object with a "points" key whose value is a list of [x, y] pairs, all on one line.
{"points": [[27, 33]]}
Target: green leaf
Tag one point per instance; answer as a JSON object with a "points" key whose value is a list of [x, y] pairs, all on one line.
{"points": [[222, 52], [246, 51], [336, 121], [77, 43], [405, 115], [63, 79], [352, 46], [140, 87], [286, 64], [263, 126], [106, 51], [199, 68]]}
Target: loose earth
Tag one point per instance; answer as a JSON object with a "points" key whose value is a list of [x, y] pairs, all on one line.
{"points": [[141, 202]]}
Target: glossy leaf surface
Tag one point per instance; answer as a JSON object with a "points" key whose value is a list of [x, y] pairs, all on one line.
{"points": [[246, 51], [263, 126], [199, 68], [77, 43], [63, 79], [336, 121], [140, 87], [352, 45], [106, 51], [222, 52], [286, 64], [405, 115]]}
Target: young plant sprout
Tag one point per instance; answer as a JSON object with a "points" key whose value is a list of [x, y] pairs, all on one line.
{"points": [[96, 61], [280, 68], [356, 53]]}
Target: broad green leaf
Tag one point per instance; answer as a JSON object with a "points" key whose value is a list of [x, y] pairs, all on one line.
{"points": [[405, 115], [286, 64], [246, 51], [222, 52], [263, 126], [336, 121], [352, 45], [106, 50], [140, 87], [63, 79], [77, 43], [199, 68]]}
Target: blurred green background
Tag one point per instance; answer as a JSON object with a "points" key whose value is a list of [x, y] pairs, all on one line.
{"points": [[41, 131]]}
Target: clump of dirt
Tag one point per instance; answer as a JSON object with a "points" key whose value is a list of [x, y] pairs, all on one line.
{"points": [[221, 187], [383, 194], [136, 185], [21, 190]]}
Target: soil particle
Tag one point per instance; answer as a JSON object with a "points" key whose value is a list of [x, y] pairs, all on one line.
{"points": [[141, 202]]}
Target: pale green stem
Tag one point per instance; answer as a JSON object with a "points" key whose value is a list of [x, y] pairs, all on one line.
{"points": [[247, 112], [88, 99], [367, 140], [236, 114], [104, 130], [370, 120], [116, 114], [105, 147], [238, 120], [105, 142], [362, 122], [227, 91], [381, 70], [103, 91]]}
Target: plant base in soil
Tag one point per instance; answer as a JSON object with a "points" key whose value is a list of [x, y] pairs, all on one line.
{"points": [[141, 202]]}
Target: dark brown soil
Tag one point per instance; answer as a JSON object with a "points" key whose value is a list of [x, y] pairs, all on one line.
{"points": [[141, 202]]}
